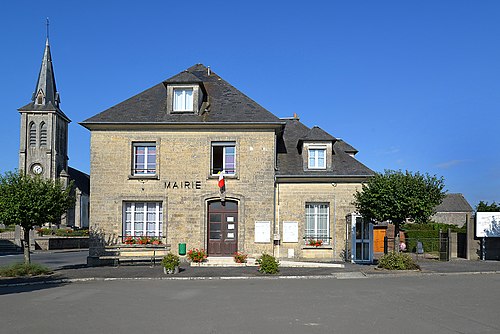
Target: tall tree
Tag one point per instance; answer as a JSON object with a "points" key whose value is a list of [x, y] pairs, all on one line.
{"points": [[397, 196], [485, 207], [32, 201]]}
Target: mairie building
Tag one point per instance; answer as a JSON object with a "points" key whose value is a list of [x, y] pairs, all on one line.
{"points": [[157, 160]]}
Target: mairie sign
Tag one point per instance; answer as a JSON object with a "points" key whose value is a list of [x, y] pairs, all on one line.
{"points": [[188, 185]]}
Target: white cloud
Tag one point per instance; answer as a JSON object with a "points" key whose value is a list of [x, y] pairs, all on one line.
{"points": [[449, 164]]}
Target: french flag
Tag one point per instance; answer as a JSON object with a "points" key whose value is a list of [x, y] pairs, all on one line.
{"points": [[222, 183]]}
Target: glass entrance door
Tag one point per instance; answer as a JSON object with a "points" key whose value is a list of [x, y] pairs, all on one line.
{"points": [[362, 237]]}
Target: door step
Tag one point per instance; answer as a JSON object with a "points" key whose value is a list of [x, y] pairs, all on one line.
{"points": [[223, 262]]}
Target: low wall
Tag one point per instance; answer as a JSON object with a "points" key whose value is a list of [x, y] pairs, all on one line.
{"points": [[51, 243]]}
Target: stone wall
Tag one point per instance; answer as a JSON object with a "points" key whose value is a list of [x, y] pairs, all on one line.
{"points": [[291, 201], [182, 156]]}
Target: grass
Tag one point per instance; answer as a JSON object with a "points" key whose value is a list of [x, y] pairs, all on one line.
{"points": [[22, 269]]}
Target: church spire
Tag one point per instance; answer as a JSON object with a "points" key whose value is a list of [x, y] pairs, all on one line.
{"points": [[45, 91]]}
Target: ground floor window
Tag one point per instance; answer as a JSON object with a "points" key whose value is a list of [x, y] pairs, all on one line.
{"points": [[317, 223], [142, 219]]}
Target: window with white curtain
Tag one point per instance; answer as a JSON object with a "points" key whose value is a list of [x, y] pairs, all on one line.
{"points": [[142, 219], [144, 159], [317, 222], [317, 158], [183, 99]]}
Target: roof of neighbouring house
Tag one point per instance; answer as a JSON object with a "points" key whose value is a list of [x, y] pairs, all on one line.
{"points": [[81, 180], [454, 203], [290, 159]]}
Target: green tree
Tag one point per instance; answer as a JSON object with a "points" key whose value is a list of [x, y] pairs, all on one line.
{"points": [[397, 196], [485, 207], [32, 201]]}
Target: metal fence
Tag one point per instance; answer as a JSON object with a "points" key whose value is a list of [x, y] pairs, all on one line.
{"points": [[429, 248]]}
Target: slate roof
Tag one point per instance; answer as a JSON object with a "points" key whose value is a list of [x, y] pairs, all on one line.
{"points": [[342, 145], [47, 84], [227, 104], [454, 203], [81, 180], [290, 159]]}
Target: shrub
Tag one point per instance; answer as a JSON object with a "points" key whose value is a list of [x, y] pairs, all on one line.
{"points": [[197, 255], [22, 269], [397, 261], [240, 257], [268, 264], [170, 261]]}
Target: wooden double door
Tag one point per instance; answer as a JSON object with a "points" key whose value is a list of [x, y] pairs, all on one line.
{"points": [[222, 228]]}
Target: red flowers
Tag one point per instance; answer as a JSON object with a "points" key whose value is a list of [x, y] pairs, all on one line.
{"points": [[197, 255], [315, 243], [129, 240]]}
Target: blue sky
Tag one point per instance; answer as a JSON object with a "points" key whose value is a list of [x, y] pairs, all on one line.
{"points": [[413, 85]]}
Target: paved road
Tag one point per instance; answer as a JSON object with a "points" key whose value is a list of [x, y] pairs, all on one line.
{"points": [[53, 259], [424, 304]]}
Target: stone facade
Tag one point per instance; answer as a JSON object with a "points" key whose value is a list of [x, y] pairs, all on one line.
{"points": [[292, 199], [183, 156], [269, 186]]}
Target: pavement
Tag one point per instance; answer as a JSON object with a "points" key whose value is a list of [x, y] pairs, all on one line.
{"points": [[288, 270]]}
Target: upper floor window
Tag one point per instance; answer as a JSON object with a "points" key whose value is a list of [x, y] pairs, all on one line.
{"points": [[43, 134], [32, 138], [144, 159], [317, 158], [183, 99], [224, 158]]}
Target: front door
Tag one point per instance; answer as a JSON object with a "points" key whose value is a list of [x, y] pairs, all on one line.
{"points": [[222, 228], [362, 236]]}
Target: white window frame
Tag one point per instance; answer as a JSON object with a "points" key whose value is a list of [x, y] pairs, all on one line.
{"points": [[186, 101], [313, 154], [313, 230], [132, 215], [145, 170], [225, 145]]}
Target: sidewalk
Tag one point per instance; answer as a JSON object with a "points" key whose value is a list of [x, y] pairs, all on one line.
{"points": [[347, 271]]}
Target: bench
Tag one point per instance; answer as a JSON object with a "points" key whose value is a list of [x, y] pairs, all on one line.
{"points": [[131, 253]]}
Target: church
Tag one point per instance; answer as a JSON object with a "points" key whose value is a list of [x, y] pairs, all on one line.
{"points": [[44, 143], [194, 161]]}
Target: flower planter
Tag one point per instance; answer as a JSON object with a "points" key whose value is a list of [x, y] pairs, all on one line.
{"points": [[171, 271]]}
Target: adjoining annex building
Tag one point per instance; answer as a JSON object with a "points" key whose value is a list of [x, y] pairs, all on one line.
{"points": [[157, 159]]}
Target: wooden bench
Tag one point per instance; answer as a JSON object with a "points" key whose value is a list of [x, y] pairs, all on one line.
{"points": [[131, 253]]}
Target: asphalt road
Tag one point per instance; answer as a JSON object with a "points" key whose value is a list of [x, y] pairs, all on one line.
{"points": [[53, 260], [462, 303]]}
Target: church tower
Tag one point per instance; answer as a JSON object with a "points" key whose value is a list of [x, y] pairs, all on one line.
{"points": [[44, 128]]}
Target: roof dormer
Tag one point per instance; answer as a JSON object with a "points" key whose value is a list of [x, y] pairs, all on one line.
{"points": [[185, 94], [316, 148]]}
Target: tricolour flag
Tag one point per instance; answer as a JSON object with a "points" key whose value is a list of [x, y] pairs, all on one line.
{"points": [[222, 183]]}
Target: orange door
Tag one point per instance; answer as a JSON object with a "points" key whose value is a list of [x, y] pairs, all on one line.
{"points": [[378, 240]]}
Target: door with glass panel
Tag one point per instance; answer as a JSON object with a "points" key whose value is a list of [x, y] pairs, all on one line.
{"points": [[362, 238], [222, 228]]}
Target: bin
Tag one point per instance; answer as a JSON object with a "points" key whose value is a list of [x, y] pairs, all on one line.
{"points": [[182, 248]]}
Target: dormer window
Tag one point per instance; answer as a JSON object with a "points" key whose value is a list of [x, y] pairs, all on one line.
{"points": [[317, 158], [183, 99]]}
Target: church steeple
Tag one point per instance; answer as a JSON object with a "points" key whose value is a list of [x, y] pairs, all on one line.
{"points": [[45, 91]]}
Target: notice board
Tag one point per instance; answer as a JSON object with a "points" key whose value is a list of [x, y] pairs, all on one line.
{"points": [[262, 231]]}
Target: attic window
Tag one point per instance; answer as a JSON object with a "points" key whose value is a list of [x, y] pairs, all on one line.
{"points": [[183, 99], [317, 158]]}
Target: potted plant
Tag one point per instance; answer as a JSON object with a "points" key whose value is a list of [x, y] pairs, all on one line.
{"points": [[240, 257], [171, 263], [197, 255], [315, 243]]}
